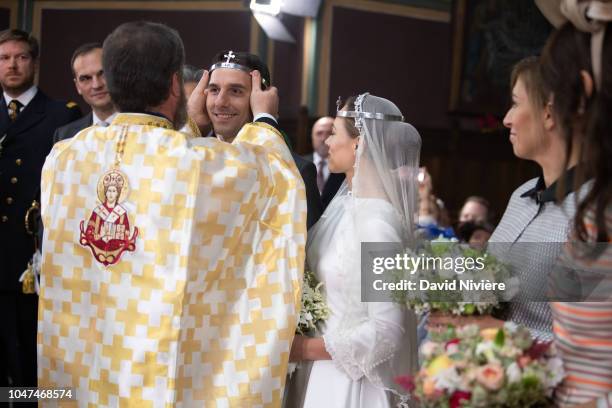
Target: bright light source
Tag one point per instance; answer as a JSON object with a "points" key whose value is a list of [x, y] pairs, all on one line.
{"points": [[273, 27], [305, 8], [266, 6]]}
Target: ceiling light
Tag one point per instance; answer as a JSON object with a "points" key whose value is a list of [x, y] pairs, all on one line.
{"points": [[271, 7]]}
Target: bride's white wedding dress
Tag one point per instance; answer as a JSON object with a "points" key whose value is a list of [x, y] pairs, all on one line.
{"points": [[381, 333]]}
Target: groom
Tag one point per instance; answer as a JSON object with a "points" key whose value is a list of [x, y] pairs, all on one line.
{"points": [[227, 105], [172, 264]]}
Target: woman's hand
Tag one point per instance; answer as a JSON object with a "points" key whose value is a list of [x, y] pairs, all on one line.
{"points": [[296, 353], [306, 348]]}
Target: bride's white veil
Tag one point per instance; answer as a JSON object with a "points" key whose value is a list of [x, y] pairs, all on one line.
{"points": [[386, 168]]}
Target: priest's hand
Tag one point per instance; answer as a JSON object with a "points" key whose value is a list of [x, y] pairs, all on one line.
{"points": [[196, 106], [263, 100]]}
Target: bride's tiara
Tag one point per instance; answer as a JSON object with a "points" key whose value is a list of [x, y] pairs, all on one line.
{"points": [[359, 114]]}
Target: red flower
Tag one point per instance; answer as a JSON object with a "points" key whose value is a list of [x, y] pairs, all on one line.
{"points": [[406, 381], [538, 349], [453, 341], [457, 397]]}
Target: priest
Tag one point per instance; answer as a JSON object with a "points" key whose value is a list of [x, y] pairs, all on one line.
{"points": [[171, 264]]}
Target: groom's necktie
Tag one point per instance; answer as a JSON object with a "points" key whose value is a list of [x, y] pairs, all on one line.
{"points": [[14, 107]]}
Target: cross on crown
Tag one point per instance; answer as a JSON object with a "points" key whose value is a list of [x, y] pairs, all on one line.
{"points": [[230, 56]]}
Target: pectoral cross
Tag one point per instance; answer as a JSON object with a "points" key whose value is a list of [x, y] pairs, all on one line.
{"points": [[230, 56]]}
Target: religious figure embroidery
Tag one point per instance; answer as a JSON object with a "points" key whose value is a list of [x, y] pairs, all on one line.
{"points": [[107, 233]]}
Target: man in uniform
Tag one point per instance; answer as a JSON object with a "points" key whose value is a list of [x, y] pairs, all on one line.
{"points": [[86, 63], [28, 119], [227, 106], [172, 264]]}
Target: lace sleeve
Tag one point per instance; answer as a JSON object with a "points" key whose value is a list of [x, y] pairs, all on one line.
{"points": [[357, 350]]}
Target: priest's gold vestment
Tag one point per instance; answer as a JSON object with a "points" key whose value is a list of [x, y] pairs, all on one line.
{"points": [[202, 310]]}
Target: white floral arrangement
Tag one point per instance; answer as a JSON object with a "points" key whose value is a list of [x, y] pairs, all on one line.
{"points": [[485, 368], [313, 312], [453, 303], [314, 309]]}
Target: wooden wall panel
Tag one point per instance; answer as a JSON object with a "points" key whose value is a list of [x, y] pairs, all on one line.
{"points": [[9, 10], [468, 163], [406, 60], [5, 18], [287, 67]]}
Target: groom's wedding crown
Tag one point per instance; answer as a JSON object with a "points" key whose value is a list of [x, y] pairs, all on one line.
{"points": [[233, 65], [360, 115]]}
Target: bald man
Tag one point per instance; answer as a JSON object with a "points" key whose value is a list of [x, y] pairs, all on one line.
{"points": [[328, 183]]}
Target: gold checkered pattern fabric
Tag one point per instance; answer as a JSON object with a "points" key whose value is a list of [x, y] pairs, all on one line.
{"points": [[203, 312]]}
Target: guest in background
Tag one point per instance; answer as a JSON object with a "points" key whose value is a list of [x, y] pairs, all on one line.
{"points": [[433, 219], [28, 119], [89, 80], [191, 77], [476, 209], [327, 182], [476, 234], [577, 72]]}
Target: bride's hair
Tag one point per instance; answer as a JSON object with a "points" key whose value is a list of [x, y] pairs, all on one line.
{"points": [[349, 104]]}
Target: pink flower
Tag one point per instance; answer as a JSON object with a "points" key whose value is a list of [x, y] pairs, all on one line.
{"points": [[457, 397], [523, 361], [429, 387], [452, 346], [406, 381], [491, 376]]}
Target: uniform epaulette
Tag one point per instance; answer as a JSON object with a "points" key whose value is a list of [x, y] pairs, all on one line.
{"points": [[71, 105]]}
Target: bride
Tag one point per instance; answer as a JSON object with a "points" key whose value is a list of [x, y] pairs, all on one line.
{"points": [[363, 345]]}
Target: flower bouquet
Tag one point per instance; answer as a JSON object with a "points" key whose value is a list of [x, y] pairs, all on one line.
{"points": [[469, 367], [314, 310], [454, 265]]}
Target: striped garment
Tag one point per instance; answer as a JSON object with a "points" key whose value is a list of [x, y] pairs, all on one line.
{"points": [[583, 334], [533, 216]]}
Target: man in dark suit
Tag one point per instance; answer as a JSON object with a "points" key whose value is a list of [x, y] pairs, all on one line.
{"points": [[89, 80], [227, 105], [327, 182], [28, 119]]}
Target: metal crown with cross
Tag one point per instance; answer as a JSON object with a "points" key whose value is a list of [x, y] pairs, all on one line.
{"points": [[230, 56], [232, 65]]}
